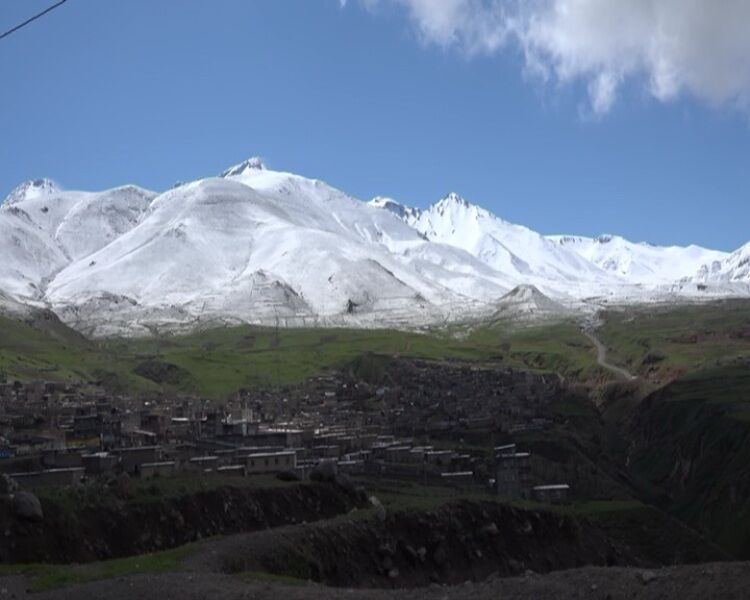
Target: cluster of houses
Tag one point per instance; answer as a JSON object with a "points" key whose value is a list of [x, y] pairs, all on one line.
{"points": [[62, 434]]}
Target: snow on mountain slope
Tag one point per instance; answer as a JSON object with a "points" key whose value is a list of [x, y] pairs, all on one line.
{"points": [[258, 245], [314, 204], [640, 262], [263, 246], [43, 229], [29, 256], [28, 190], [527, 302], [95, 220], [405, 213], [732, 268], [520, 254]]}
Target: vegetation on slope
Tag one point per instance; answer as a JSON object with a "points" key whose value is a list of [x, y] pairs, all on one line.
{"points": [[220, 361], [662, 342], [691, 452]]}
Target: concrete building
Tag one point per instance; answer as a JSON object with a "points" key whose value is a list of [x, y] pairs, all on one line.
{"points": [[203, 463], [513, 474], [270, 462], [439, 458], [99, 463], [49, 477], [231, 470], [160, 469], [459, 479], [131, 459], [552, 494]]}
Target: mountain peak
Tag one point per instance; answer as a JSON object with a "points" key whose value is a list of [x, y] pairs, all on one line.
{"points": [[254, 163], [526, 300], [34, 188], [403, 212], [384, 202], [454, 198]]}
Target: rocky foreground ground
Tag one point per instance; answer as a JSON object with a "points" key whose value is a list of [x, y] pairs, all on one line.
{"points": [[701, 582]]}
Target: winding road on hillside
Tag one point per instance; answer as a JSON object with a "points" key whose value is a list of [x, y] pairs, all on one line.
{"points": [[601, 356]]}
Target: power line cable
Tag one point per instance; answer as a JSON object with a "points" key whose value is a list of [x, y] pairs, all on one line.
{"points": [[31, 19]]}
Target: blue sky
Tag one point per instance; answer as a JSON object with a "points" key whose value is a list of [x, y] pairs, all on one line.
{"points": [[100, 93]]}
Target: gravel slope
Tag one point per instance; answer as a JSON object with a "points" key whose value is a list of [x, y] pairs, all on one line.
{"points": [[701, 582]]}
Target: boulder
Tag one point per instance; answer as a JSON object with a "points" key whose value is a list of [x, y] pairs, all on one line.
{"points": [[345, 483], [441, 555], [647, 577], [123, 486], [324, 472], [8, 485], [288, 476], [27, 506], [380, 512]]}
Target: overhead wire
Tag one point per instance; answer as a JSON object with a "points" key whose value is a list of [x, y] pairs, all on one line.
{"points": [[32, 19]]}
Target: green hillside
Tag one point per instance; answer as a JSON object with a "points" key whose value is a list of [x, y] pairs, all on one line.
{"points": [[691, 452], [219, 361]]}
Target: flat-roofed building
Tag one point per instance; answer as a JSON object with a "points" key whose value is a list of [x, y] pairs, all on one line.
{"points": [[231, 470], [49, 478], [157, 469], [513, 474], [397, 454], [98, 463], [203, 462], [461, 479], [440, 458], [270, 462], [557, 493], [131, 459]]}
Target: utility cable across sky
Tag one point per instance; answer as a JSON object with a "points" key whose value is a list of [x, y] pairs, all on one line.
{"points": [[32, 19]]}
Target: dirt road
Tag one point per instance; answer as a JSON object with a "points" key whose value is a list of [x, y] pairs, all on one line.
{"points": [[601, 357]]}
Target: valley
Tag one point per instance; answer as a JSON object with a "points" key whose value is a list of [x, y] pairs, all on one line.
{"points": [[375, 299], [653, 464]]}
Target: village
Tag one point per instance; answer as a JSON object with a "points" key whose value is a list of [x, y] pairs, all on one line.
{"points": [[416, 424]]}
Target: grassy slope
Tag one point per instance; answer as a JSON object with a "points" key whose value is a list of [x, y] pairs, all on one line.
{"points": [[47, 577], [692, 434], [693, 452], [45, 349], [659, 343], [663, 342], [557, 347], [643, 528], [217, 362]]}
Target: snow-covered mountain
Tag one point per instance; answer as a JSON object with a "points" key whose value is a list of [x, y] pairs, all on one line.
{"points": [[256, 245], [526, 302], [405, 213], [732, 269], [43, 229], [641, 262], [264, 246], [522, 254], [558, 265]]}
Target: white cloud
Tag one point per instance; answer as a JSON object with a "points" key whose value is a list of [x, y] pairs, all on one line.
{"points": [[674, 47], [470, 24]]}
